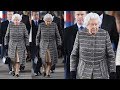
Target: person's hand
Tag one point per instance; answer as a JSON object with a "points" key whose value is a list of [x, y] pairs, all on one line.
{"points": [[118, 72], [28, 48], [6, 46], [72, 75], [38, 47], [59, 47], [113, 75]]}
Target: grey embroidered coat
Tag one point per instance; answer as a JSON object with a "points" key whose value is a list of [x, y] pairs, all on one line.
{"points": [[95, 54], [17, 37], [48, 37]]}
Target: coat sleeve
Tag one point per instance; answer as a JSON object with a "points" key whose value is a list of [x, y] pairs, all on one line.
{"points": [[114, 33], [118, 54], [38, 36], [110, 55], [58, 38], [7, 36], [26, 36], [74, 54]]}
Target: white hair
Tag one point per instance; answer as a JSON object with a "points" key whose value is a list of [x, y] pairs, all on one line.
{"points": [[48, 16], [92, 16], [16, 16]]}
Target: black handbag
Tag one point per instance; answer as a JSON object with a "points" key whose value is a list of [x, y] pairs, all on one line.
{"points": [[6, 60]]}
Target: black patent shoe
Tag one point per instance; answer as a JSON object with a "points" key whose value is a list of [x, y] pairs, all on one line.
{"points": [[52, 71], [48, 76], [44, 74], [13, 73], [17, 75], [22, 68]]}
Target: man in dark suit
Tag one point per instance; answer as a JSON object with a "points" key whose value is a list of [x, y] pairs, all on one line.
{"points": [[26, 21], [4, 26], [69, 38], [35, 23], [109, 24]]}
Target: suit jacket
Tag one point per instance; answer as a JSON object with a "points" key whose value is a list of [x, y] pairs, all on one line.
{"points": [[69, 38], [109, 24], [59, 24], [25, 20], [95, 54], [34, 31], [3, 30]]}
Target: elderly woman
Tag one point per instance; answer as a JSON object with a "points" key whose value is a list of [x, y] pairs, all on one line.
{"points": [[93, 51], [16, 40], [48, 39]]}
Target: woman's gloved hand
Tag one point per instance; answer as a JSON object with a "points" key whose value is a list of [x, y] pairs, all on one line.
{"points": [[113, 75], [6, 46], [72, 75]]}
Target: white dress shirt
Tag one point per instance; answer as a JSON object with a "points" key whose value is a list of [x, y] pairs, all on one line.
{"points": [[80, 26], [101, 17]]}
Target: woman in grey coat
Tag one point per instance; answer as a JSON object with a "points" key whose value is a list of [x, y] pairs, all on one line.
{"points": [[16, 39], [48, 38], [92, 53]]}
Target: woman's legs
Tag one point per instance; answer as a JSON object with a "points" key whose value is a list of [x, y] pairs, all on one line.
{"points": [[48, 63], [45, 65], [17, 64]]}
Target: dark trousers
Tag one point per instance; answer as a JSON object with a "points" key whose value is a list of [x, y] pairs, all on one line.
{"points": [[35, 65], [67, 67]]}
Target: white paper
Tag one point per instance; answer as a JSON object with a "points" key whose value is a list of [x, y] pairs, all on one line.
{"points": [[30, 36], [35, 60], [3, 60]]}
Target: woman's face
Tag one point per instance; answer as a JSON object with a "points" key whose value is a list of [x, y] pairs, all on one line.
{"points": [[93, 26], [48, 21], [16, 21]]}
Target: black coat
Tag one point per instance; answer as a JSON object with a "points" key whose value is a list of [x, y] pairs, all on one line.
{"points": [[3, 30], [59, 24], [68, 42], [109, 24], [69, 38], [25, 20], [34, 31]]}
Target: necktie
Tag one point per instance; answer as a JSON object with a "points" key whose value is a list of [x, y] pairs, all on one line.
{"points": [[36, 23], [81, 28]]}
